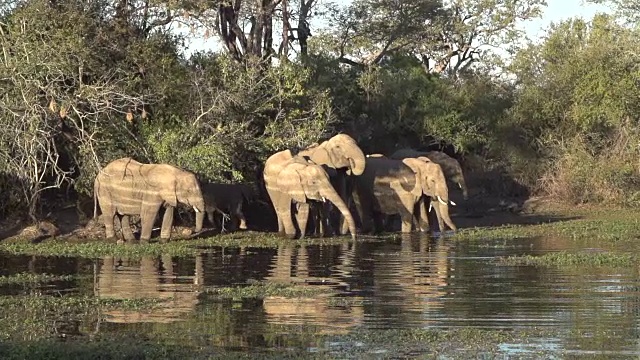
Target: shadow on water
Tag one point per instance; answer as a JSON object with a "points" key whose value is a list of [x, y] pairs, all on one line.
{"points": [[409, 283]]}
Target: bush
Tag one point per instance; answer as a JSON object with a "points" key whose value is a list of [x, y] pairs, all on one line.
{"points": [[581, 175]]}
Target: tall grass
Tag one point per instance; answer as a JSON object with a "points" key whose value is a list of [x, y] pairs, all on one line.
{"points": [[584, 170]]}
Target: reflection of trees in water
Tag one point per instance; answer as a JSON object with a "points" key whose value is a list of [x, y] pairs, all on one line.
{"points": [[411, 280], [291, 265], [149, 278]]}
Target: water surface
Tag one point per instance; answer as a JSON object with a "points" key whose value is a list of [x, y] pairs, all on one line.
{"points": [[412, 282]]}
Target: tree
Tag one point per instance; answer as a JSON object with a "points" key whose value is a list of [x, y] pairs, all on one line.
{"points": [[446, 37], [70, 100], [629, 9], [581, 80]]}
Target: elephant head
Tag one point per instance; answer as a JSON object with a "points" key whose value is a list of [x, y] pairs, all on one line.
{"points": [[345, 152], [451, 168], [303, 180], [341, 151], [188, 192], [179, 186], [458, 178], [433, 184], [430, 179]]}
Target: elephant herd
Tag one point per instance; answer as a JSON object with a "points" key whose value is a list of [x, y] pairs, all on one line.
{"points": [[331, 188]]}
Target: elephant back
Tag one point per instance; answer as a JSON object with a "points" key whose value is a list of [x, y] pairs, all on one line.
{"points": [[380, 172], [406, 153], [450, 166]]}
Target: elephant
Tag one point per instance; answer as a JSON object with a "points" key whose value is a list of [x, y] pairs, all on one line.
{"points": [[127, 187], [390, 186], [228, 200], [450, 166], [341, 158], [295, 178]]}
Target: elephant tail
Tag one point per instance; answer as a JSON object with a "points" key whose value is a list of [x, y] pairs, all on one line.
{"points": [[95, 200], [95, 206]]}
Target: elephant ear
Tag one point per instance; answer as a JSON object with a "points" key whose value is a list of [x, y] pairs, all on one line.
{"points": [[290, 182], [168, 193], [154, 178], [417, 166], [325, 156]]}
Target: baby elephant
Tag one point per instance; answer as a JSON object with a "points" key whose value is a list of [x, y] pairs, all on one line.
{"points": [[228, 200]]}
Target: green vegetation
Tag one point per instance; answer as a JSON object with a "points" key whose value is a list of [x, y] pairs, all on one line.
{"points": [[33, 279], [34, 317], [564, 258], [99, 248], [608, 226], [262, 290]]}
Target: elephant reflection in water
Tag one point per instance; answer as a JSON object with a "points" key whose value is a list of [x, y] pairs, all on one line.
{"points": [[148, 278], [417, 279], [291, 265]]}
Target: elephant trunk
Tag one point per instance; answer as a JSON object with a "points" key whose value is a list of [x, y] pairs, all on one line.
{"points": [[443, 217], [199, 221], [337, 201], [465, 193], [459, 180], [356, 162]]}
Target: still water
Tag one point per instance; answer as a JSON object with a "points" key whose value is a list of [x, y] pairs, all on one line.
{"points": [[408, 283]]}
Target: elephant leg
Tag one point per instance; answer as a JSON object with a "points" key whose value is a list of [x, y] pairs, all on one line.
{"points": [[125, 223], [364, 210], [147, 218], [109, 219], [167, 223], [276, 197], [378, 222], [283, 210], [326, 213], [240, 216], [406, 214], [210, 217], [314, 226], [423, 222], [388, 222], [319, 219], [302, 217]]}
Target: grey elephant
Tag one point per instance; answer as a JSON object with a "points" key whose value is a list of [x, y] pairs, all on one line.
{"points": [[127, 187], [450, 166], [341, 158], [295, 179], [227, 200], [390, 186]]}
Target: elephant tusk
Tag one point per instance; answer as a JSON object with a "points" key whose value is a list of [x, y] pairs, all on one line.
{"points": [[452, 203], [460, 185], [196, 209], [441, 201], [324, 199], [430, 206]]}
